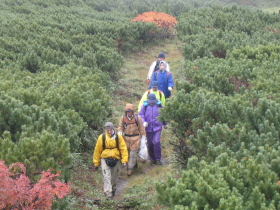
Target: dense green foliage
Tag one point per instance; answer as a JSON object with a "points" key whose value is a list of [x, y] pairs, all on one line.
{"points": [[226, 113], [57, 63], [59, 68], [213, 31]]}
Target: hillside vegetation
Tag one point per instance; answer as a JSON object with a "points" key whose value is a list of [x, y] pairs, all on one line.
{"points": [[61, 76], [226, 112]]}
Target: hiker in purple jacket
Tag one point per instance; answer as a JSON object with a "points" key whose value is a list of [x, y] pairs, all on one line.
{"points": [[149, 113]]}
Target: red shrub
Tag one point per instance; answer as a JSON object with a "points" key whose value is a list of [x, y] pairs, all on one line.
{"points": [[16, 191], [162, 20]]}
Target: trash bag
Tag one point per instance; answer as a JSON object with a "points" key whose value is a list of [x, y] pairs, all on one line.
{"points": [[143, 152]]}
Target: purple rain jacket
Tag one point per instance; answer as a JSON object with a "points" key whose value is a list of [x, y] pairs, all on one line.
{"points": [[149, 114]]}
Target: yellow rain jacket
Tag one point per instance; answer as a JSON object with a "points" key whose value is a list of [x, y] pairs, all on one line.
{"points": [[111, 151], [159, 96]]}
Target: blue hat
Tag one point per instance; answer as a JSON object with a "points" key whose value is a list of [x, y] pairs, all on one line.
{"points": [[161, 55], [152, 98], [154, 84]]}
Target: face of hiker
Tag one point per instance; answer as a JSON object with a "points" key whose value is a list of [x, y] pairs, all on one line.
{"points": [[161, 59], [155, 89], [162, 66], [129, 113], [109, 130]]}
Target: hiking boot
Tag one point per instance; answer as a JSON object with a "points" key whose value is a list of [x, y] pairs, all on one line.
{"points": [[158, 162], [109, 197], [153, 162], [129, 173]]}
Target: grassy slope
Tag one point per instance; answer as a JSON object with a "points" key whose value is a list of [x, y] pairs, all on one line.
{"points": [[138, 191]]}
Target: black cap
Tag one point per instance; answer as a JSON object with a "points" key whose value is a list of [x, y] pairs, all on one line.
{"points": [[161, 55]]}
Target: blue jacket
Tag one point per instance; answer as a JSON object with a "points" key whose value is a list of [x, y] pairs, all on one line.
{"points": [[164, 79], [149, 114]]}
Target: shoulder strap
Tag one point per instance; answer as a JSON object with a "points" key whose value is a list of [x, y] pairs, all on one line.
{"points": [[124, 124], [103, 140], [157, 65], [136, 119], [117, 141], [149, 91]]}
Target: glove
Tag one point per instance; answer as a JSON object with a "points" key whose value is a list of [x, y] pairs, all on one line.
{"points": [[121, 133], [166, 126], [145, 124], [95, 168], [169, 88], [124, 164]]}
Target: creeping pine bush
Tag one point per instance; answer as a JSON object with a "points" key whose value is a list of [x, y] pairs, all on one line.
{"points": [[226, 113], [39, 139], [223, 184]]}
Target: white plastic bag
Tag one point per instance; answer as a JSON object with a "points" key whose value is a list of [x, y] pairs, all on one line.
{"points": [[143, 152]]}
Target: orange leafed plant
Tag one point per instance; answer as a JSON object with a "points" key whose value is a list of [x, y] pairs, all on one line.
{"points": [[162, 20], [17, 192]]}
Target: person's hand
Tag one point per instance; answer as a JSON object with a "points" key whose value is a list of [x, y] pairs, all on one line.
{"points": [[124, 164], [165, 126], [95, 168], [145, 124], [121, 133], [169, 88]]}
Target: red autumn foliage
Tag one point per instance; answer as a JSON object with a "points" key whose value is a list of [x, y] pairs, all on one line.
{"points": [[17, 192], [160, 19]]}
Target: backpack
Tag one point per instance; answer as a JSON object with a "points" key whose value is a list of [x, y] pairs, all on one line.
{"points": [[136, 121], [157, 66], [104, 139], [160, 94]]}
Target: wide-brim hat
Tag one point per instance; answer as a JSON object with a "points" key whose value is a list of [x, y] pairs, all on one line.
{"points": [[152, 98], [129, 108]]}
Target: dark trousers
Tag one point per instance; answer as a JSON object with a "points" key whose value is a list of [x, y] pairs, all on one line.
{"points": [[154, 148]]}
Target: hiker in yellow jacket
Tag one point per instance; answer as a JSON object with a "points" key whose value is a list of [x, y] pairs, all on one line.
{"points": [[110, 151], [159, 95]]}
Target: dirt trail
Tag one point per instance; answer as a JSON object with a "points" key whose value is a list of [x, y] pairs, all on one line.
{"points": [[175, 59]]}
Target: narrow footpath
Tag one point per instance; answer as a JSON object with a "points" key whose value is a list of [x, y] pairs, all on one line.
{"points": [[135, 79]]}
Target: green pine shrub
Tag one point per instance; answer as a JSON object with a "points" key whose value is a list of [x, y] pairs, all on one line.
{"points": [[223, 184], [225, 114], [213, 31]]}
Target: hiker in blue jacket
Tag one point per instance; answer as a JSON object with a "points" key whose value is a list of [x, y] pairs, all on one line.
{"points": [[164, 79]]}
